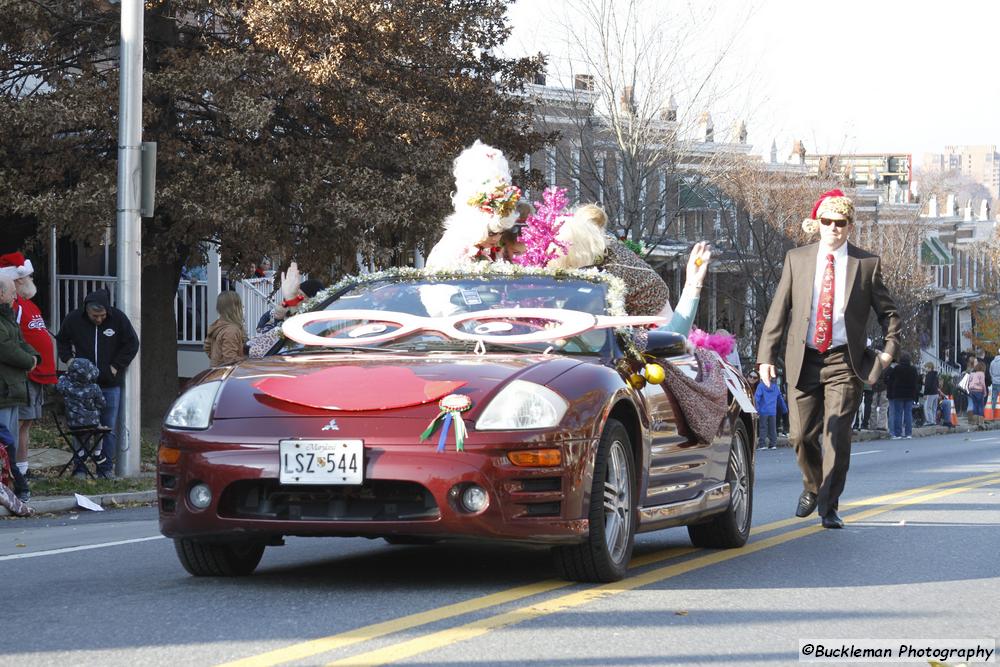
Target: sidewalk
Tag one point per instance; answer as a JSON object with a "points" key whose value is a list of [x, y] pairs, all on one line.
{"points": [[51, 504], [918, 432], [43, 458]]}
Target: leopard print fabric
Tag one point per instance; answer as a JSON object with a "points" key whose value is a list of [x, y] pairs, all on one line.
{"points": [[646, 293]]}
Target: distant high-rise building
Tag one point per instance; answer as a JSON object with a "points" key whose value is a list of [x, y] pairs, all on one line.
{"points": [[979, 163]]}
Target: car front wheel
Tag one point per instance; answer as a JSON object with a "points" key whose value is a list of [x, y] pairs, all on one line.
{"points": [[606, 553], [731, 529], [209, 559]]}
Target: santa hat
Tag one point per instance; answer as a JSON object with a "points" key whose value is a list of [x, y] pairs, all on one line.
{"points": [[832, 205], [13, 265]]}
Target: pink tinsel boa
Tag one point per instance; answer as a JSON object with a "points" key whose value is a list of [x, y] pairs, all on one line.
{"points": [[721, 343]]}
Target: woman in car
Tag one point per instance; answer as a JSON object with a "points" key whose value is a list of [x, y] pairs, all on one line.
{"points": [[646, 293]]}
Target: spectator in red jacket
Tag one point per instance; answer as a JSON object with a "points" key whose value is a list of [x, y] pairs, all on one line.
{"points": [[33, 330]]}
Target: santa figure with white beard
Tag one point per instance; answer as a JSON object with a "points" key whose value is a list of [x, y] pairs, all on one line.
{"points": [[484, 206], [14, 266]]}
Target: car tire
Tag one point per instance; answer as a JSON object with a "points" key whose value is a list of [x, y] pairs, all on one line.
{"points": [[226, 559], [731, 529], [613, 514]]}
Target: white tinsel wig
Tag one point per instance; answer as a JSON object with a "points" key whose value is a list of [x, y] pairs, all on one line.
{"points": [[484, 201], [584, 239]]}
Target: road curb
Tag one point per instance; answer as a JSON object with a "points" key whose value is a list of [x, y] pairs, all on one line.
{"points": [[918, 432], [67, 503]]}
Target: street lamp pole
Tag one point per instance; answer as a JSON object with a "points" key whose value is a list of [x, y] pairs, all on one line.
{"points": [[129, 237]]}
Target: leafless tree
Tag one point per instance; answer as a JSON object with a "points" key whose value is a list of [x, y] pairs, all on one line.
{"points": [[762, 209], [897, 241], [625, 142]]}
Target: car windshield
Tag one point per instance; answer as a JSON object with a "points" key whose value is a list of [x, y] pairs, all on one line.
{"points": [[428, 297]]}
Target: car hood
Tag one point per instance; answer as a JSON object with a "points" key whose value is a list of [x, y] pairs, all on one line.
{"points": [[483, 376]]}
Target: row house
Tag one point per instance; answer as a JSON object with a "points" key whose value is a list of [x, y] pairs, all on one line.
{"points": [[963, 275], [949, 245], [658, 195]]}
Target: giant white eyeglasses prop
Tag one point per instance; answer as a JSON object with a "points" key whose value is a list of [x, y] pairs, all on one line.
{"points": [[382, 326]]}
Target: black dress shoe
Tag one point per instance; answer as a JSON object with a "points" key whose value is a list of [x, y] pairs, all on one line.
{"points": [[807, 503], [832, 520]]}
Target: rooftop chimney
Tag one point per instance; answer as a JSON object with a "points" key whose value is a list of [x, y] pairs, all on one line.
{"points": [[628, 100], [670, 113], [706, 130], [583, 82]]}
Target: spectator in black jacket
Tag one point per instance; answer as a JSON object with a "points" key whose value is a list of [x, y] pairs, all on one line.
{"points": [[930, 393], [903, 389], [103, 334]]}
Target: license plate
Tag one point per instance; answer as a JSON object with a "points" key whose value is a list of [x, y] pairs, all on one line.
{"points": [[321, 461]]}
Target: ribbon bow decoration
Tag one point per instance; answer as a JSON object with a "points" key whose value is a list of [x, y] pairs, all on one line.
{"points": [[451, 408]]}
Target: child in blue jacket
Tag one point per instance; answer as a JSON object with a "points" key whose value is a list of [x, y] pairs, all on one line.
{"points": [[769, 400]]}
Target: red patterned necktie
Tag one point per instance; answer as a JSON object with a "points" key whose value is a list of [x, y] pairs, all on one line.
{"points": [[824, 313]]}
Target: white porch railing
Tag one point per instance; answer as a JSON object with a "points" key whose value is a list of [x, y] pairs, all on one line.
{"points": [[72, 290], [191, 312], [256, 295], [941, 365], [191, 302]]}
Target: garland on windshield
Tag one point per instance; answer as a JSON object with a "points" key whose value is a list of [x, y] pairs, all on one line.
{"points": [[615, 286]]}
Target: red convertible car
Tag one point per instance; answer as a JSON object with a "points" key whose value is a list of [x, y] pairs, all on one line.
{"points": [[417, 406]]}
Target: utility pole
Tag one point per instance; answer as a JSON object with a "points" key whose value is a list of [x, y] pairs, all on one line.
{"points": [[129, 239]]}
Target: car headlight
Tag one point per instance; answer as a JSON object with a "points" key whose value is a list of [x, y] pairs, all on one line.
{"points": [[193, 408], [523, 405]]}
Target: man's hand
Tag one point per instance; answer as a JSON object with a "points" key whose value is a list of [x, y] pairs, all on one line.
{"points": [[767, 373], [114, 372], [290, 282]]}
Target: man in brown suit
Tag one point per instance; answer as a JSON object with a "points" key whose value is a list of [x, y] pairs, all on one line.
{"points": [[826, 293]]}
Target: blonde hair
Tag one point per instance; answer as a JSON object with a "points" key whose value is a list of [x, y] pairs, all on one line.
{"points": [[230, 308], [593, 214], [583, 234]]}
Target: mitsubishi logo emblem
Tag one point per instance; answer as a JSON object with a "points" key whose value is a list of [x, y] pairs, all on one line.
{"points": [[332, 426]]}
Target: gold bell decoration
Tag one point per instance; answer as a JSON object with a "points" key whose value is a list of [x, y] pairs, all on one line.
{"points": [[655, 373], [637, 381]]}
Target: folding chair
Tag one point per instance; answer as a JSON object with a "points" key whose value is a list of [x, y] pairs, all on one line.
{"points": [[83, 442]]}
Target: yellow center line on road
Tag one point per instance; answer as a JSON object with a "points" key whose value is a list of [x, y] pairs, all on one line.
{"points": [[443, 638], [365, 633]]}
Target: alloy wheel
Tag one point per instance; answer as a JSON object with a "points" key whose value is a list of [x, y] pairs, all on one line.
{"points": [[739, 480], [617, 501]]}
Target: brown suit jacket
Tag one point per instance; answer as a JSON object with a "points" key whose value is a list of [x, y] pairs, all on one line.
{"points": [[791, 309]]}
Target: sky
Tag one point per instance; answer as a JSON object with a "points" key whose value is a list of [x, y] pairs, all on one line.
{"points": [[846, 76]]}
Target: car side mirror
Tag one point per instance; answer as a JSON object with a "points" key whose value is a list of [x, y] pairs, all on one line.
{"points": [[666, 344]]}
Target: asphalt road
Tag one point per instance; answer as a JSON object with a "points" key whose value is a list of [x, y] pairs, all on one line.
{"points": [[923, 563]]}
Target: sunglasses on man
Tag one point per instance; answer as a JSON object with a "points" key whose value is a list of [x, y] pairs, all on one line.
{"points": [[839, 223]]}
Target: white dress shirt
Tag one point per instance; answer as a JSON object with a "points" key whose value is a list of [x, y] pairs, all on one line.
{"points": [[839, 294]]}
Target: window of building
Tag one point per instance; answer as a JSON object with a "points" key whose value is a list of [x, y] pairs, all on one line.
{"points": [[575, 167], [550, 167], [663, 202], [621, 192]]}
